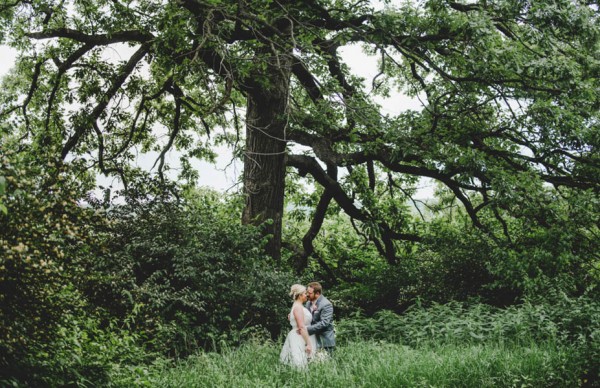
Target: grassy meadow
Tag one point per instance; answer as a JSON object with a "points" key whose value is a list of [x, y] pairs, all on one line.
{"points": [[450, 345], [380, 364]]}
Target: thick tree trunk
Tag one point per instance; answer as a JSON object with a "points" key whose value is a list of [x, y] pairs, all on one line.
{"points": [[264, 160]]}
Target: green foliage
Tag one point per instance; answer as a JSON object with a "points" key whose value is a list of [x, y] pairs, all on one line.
{"points": [[378, 364], [554, 243], [454, 264], [199, 278], [45, 240], [352, 271], [565, 322], [3, 208], [508, 96], [534, 241], [84, 351], [508, 123], [51, 336]]}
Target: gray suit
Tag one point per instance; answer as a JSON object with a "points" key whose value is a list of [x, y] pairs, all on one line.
{"points": [[322, 322]]}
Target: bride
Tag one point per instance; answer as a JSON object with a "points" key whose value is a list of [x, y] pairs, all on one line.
{"points": [[298, 348]]}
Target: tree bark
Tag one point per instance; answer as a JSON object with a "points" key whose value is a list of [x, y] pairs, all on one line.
{"points": [[264, 159]]}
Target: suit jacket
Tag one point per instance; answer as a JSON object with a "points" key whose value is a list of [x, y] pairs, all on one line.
{"points": [[322, 322]]}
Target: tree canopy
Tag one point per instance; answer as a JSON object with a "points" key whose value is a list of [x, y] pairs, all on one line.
{"points": [[510, 95]]}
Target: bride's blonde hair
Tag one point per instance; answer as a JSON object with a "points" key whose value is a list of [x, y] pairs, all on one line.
{"points": [[297, 290]]}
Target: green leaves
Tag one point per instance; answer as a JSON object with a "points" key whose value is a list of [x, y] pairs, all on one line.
{"points": [[3, 208], [45, 241], [191, 269], [507, 119]]}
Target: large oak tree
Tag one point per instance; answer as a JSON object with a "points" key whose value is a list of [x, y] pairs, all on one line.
{"points": [[510, 95]]}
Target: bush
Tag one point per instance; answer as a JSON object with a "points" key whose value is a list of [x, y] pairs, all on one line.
{"points": [[200, 277], [46, 238], [84, 354], [81, 350], [572, 323]]}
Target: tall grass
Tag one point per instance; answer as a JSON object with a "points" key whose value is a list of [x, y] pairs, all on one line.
{"points": [[572, 324], [453, 345], [380, 364]]}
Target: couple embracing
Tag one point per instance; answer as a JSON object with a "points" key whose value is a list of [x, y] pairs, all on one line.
{"points": [[312, 326]]}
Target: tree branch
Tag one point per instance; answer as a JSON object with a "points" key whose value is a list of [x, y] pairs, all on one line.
{"points": [[96, 40], [105, 99], [306, 79]]}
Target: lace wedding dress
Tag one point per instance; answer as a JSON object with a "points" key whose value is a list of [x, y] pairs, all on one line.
{"points": [[293, 352]]}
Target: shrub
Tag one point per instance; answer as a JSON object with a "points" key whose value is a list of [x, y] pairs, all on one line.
{"points": [[572, 323], [46, 238], [85, 353], [200, 277]]}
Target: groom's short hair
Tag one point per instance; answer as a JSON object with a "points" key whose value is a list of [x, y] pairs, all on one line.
{"points": [[316, 286]]}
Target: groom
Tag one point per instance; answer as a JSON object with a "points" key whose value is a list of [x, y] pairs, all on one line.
{"points": [[322, 317]]}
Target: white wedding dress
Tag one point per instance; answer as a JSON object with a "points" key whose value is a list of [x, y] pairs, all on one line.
{"points": [[294, 352]]}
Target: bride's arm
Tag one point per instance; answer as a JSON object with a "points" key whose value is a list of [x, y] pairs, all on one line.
{"points": [[299, 316]]}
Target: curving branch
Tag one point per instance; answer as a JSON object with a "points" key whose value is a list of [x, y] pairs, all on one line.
{"points": [[62, 69], [306, 164], [307, 80], [316, 223], [105, 99], [34, 85], [141, 108], [96, 40], [172, 136], [329, 50], [324, 19]]}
